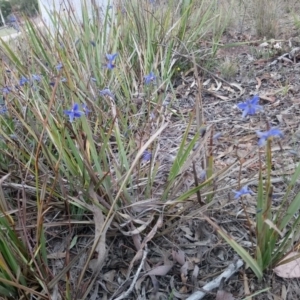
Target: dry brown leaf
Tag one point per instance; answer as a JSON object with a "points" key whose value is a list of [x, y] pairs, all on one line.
{"points": [[183, 289], [176, 293], [239, 87], [223, 295], [270, 98], [184, 269], [218, 96], [291, 269], [56, 255], [138, 229], [151, 234], [258, 83], [284, 292], [178, 256], [273, 226], [100, 239], [137, 240], [195, 273], [110, 282], [184, 279], [160, 270], [140, 246]]}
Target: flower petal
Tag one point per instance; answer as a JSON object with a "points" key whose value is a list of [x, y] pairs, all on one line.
{"points": [[75, 107], [242, 105], [254, 100]]}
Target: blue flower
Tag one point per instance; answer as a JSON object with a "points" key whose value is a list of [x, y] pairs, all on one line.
{"points": [[263, 136], [36, 77], [203, 175], [110, 60], [243, 191], [146, 156], [93, 79], [59, 66], [23, 80], [74, 112], [12, 18], [250, 107], [149, 78], [111, 57], [63, 79], [3, 109], [85, 109], [152, 116], [6, 90], [107, 92]]}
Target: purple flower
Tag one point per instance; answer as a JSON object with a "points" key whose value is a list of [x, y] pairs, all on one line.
{"points": [[36, 77], [63, 79], [85, 109], [152, 116], [74, 112], [250, 107], [263, 136], [23, 80], [59, 66], [243, 191], [146, 156], [107, 92], [12, 18], [6, 90], [111, 57], [110, 60], [149, 78], [203, 175], [3, 109]]}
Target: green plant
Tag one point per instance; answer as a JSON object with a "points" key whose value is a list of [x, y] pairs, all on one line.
{"points": [[75, 144], [274, 226], [228, 68]]}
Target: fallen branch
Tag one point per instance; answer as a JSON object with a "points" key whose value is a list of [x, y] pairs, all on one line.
{"points": [[231, 269]]}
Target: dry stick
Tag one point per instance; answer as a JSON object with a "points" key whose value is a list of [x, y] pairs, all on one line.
{"points": [[231, 269], [127, 293], [196, 184], [199, 106]]}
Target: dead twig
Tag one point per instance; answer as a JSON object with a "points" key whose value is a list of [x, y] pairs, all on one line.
{"points": [[231, 269]]}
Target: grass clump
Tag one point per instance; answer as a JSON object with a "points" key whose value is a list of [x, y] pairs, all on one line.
{"points": [[89, 137], [82, 113], [265, 15], [228, 68]]}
